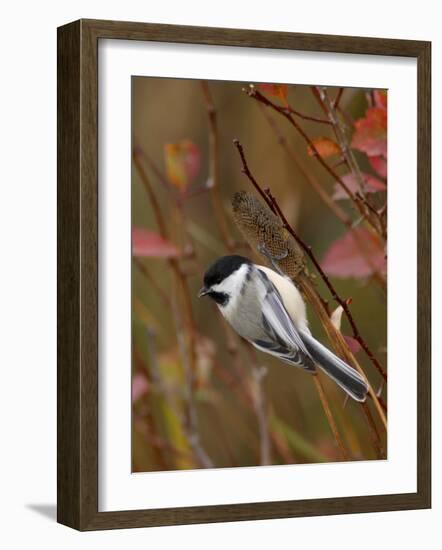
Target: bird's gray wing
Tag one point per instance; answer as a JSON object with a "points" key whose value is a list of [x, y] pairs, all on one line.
{"points": [[283, 339]]}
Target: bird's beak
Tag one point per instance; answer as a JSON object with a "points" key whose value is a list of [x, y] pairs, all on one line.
{"points": [[203, 291]]}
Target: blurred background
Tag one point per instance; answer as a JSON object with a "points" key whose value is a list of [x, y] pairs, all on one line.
{"points": [[201, 398]]}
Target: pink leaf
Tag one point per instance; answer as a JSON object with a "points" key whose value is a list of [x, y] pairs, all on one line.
{"points": [[140, 386], [183, 162], [370, 135], [146, 243], [372, 185], [380, 99], [353, 344], [356, 254], [379, 165]]}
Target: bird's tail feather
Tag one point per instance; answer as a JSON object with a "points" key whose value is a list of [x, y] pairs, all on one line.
{"points": [[344, 375]]}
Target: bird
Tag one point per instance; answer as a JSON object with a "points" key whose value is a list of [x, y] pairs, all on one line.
{"points": [[266, 309]]}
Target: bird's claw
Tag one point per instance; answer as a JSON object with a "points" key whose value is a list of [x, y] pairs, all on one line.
{"points": [[262, 249]]}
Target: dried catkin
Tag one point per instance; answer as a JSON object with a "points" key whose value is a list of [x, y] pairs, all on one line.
{"points": [[262, 228]]}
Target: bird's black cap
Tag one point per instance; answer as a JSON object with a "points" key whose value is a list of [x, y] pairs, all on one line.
{"points": [[222, 268]]}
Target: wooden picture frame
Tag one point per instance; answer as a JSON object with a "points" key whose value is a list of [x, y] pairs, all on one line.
{"points": [[78, 274]]}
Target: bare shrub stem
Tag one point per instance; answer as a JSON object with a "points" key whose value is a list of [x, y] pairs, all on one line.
{"points": [[331, 421], [188, 352], [273, 205], [284, 111], [214, 167]]}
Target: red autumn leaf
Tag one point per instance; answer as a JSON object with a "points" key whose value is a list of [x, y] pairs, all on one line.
{"points": [[183, 162], [379, 165], [275, 90], [352, 343], [380, 99], [370, 136], [140, 386], [356, 254], [325, 147], [372, 185], [146, 243]]}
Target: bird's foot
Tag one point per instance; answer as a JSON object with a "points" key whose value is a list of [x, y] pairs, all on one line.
{"points": [[273, 259]]}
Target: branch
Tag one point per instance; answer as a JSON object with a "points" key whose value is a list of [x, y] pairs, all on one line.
{"points": [[329, 415], [245, 170], [148, 188], [188, 354], [343, 303], [187, 351], [307, 117], [255, 94], [273, 205], [338, 98], [327, 106], [324, 196], [214, 168], [260, 405], [328, 201], [359, 205], [161, 292]]}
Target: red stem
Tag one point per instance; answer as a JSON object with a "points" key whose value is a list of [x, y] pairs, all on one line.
{"points": [[274, 206]]}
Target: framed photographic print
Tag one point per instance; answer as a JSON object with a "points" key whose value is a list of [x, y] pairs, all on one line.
{"points": [[243, 275]]}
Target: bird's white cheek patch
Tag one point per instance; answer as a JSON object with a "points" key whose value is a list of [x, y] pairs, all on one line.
{"points": [[233, 283]]}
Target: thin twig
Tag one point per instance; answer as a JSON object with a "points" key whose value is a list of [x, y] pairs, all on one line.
{"points": [[329, 415], [376, 438], [245, 170], [214, 167], [307, 117], [379, 216], [151, 425], [261, 413], [237, 382], [326, 198], [161, 292], [339, 129], [189, 358], [321, 95], [273, 205], [152, 197], [258, 405], [141, 153], [339, 345], [191, 424], [359, 205], [343, 303], [255, 94], [322, 193], [259, 401], [338, 98]]}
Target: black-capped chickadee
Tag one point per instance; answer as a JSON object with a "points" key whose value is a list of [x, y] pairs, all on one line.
{"points": [[267, 309]]}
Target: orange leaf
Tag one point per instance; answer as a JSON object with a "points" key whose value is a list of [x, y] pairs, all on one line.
{"points": [[275, 90], [325, 147], [146, 243], [182, 162], [370, 136], [356, 254]]}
